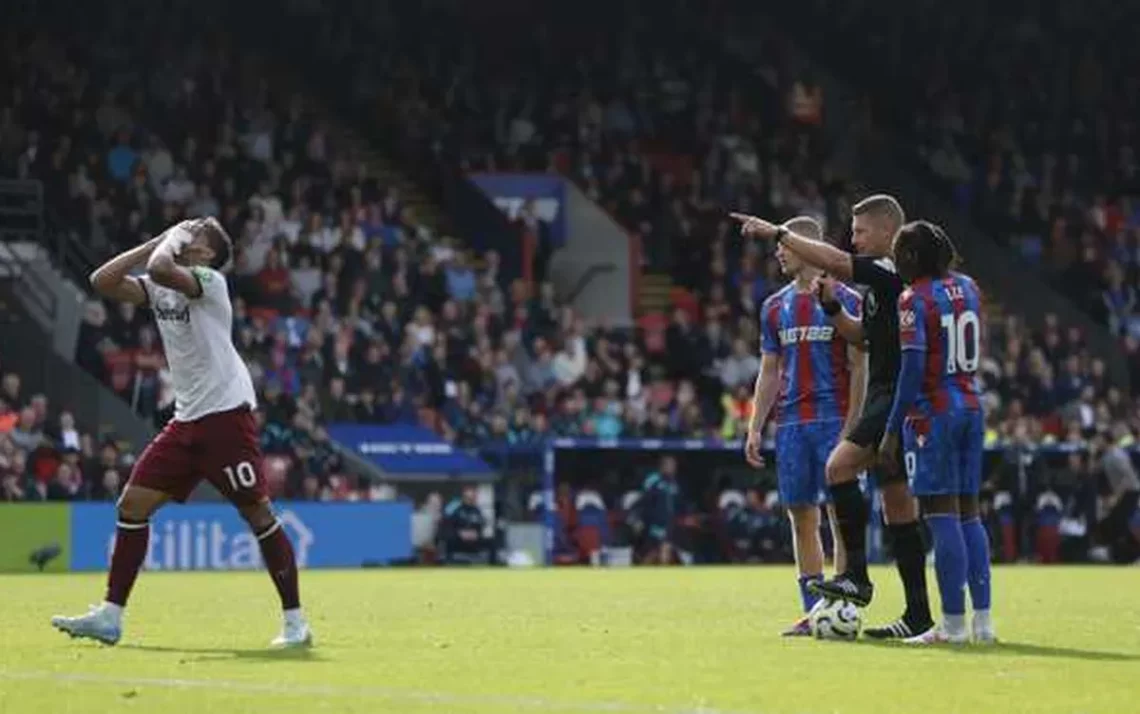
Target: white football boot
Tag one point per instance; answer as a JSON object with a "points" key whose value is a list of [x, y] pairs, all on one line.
{"points": [[938, 635], [100, 624], [295, 633]]}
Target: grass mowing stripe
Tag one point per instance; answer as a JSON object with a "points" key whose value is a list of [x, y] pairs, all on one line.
{"points": [[534, 703]]}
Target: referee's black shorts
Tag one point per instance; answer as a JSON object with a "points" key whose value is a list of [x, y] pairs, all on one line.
{"points": [[868, 431]]}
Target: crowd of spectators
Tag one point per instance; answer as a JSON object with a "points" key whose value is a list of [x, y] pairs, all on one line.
{"points": [[665, 140], [45, 456], [349, 308], [1025, 114], [743, 135]]}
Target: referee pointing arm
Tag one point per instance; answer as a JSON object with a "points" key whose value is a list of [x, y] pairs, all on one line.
{"points": [[875, 222]]}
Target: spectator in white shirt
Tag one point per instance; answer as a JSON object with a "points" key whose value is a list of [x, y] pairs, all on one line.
{"points": [[68, 434], [739, 368], [570, 362], [293, 224], [159, 164], [179, 189], [348, 233], [270, 203], [421, 327]]}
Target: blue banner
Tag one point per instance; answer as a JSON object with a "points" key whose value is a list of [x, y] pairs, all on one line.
{"points": [[706, 444], [214, 536], [509, 192], [406, 449]]}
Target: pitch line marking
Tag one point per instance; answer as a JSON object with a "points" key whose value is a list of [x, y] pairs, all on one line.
{"points": [[324, 690]]}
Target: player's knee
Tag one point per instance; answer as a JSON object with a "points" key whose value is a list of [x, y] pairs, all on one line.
{"points": [[842, 465], [259, 516], [805, 519], [136, 506], [898, 503]]}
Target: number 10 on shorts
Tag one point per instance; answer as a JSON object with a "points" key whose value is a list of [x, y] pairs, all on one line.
{"points": [[241, 476]]}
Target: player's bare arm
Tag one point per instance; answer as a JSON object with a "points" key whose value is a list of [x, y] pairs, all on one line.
{"points": [[857, 364], [113, 279], [819, 254], [764, 395], [163, 265]]}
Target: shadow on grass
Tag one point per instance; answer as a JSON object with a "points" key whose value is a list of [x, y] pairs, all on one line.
{"points": [[1016, 649], [211, 654]]}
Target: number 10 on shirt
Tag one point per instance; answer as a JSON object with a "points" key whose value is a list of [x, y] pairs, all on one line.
{"points": [[962, 349]]}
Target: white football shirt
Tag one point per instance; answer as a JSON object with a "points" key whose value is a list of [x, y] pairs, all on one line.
{"points": [[208, 374]]}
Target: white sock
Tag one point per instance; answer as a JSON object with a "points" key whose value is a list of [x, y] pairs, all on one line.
{"points": [[955, 624], [115, 611], [982, 620], [293, 618]]}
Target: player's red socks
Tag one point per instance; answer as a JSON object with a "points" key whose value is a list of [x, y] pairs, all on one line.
{"points": [[132, 538], [277, 552]]}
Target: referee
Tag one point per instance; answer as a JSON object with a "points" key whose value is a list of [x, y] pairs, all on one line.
{"points": [[874, 223]]}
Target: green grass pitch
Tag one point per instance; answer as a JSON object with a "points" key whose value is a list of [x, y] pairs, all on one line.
{"points": [[623, 641]]}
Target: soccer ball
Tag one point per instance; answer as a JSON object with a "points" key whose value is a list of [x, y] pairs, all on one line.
{"points": [[835, 620]]}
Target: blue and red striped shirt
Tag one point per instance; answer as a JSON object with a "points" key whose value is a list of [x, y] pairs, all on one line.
{"points": [[943, 318], [815, 376]]}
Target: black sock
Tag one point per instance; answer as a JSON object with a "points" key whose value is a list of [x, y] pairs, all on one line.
{"points": [[851, 516], [910, 557]]}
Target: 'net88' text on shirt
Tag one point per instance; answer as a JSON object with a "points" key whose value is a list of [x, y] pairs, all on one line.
{"points": [[814, 375], [207, 372]]}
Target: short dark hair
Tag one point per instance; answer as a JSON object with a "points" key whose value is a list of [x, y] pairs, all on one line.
{"points": [[881, 204], [948, 256], [221, 243], [934, 253]]}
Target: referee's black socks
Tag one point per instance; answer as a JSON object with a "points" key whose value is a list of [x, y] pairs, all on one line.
{"points": [[910, 558], [851, 516]]}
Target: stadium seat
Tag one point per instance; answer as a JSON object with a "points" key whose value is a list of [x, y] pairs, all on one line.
{"points": [[1048, 536], [590, 541], [661, 394], [653, 326], [683, 299]]}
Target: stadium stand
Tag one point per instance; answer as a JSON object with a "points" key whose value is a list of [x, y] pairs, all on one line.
{"points": [[355, 302], [1009, 109], [46, 456], [1042, 380]]}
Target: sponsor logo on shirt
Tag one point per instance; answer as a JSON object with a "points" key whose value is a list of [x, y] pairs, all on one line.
{"points": [[166, 307], [811, 333]]}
